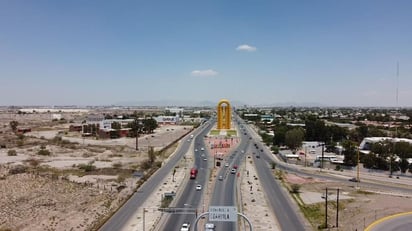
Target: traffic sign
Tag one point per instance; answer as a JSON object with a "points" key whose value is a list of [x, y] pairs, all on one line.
{"points": [[222, 213]]}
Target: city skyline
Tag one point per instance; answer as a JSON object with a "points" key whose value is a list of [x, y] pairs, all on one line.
{"points": [[257, 53]]}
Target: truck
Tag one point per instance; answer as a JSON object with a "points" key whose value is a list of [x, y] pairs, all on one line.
{"points": [[193, 173]]}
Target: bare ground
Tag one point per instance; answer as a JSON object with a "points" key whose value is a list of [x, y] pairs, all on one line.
{"points": [[33, 202]]}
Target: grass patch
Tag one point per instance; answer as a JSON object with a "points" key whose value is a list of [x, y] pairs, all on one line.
{"points": [[315, 213], [362, 192], [231, 132], [214, 132]]}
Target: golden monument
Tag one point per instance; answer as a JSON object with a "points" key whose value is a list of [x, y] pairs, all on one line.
{"points": [[223, 114]]}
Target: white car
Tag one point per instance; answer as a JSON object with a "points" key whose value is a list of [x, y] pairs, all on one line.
{"points": [[209, 227], [233, 171], [226, 164], [198, 187], [185, 226]]}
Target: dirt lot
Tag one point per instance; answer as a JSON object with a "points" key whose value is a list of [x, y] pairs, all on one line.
{"points": [[54, 180], [357, 208]]}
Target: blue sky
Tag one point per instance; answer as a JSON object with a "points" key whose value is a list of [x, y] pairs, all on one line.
{"points": [[333, 53]]}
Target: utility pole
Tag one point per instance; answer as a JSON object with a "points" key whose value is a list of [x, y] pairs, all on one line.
{"points": [[326, 208], [321, 161], [337, 208]]}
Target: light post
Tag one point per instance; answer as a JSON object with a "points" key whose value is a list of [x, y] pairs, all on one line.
{"points": [[357, 171]]}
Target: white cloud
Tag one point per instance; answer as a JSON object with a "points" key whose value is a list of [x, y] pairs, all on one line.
{"points": [[245, 47], [208, 72]]}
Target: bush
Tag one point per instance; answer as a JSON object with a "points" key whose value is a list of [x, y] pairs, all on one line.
{"points": [[275, 149], [117, 165], [87, 167], [18, 169], [273, 165], [43, 152], [12, 153], [33, 162], [295, 188]]}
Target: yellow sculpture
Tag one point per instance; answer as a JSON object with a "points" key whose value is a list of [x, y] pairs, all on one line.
{"points": [[223, 114]]}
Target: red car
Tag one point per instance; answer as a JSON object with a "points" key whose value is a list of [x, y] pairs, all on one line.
{"points": [[235, 166]]}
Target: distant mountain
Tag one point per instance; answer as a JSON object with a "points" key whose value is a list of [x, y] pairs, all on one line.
{"points": [[290, 104], [171, 103]]}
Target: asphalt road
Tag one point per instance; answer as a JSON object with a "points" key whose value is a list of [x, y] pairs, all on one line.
{"points": [[398, 222], [191, 199], [287, 215], [120, 218]]}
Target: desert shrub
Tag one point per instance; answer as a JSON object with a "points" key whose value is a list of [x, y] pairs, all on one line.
{"points": [[158, 164], [18, 169], [20, 143], [43, 152], [12, 152], [87, 167], [120, 178], [33, 162], [145, 165], [117, 165]]}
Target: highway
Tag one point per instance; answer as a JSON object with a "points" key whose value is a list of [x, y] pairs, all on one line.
{"points": [[190, 198], [122, 216], [288, 216]]}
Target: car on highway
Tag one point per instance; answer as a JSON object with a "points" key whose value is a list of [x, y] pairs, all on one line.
{"points": [[202, 149], [198, 187], [209, 227], [220, 178], [205, 159], [235, 166], [185, 226], [353, 179], [233, 171], [226, 164]]}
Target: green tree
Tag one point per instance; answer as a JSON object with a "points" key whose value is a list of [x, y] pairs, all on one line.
{"points": [[149, 125], [280, 132], [294, 138], [350, 153], [315, 129], [116, 125], [404, 165]]}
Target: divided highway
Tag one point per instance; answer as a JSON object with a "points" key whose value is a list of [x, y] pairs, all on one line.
{"points": [[122, 216], [190, 198]]}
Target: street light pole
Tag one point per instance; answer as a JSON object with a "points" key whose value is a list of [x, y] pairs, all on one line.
{"points": [[144, 211]]}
